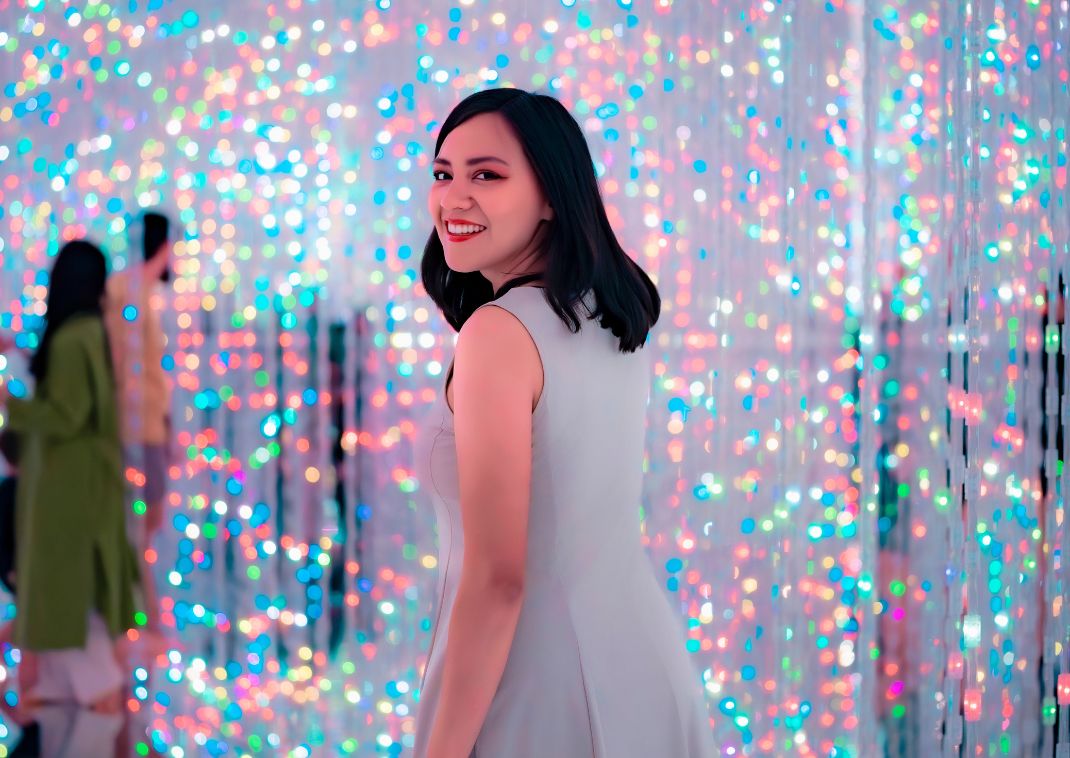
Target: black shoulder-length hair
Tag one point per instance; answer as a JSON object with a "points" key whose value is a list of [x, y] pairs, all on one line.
{"points": [[75, 288], [580, 252]]}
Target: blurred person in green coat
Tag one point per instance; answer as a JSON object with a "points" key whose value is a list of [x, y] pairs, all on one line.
{"points": [[75, 568]]}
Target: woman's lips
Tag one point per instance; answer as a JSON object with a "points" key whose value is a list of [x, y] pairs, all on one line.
{"points": [[463, 237]]}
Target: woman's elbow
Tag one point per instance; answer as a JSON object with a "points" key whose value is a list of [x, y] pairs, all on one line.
{"points": [[502, 585], [509, 588]]}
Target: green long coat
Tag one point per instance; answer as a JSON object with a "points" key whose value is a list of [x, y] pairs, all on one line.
{"points": [[73, 554]]}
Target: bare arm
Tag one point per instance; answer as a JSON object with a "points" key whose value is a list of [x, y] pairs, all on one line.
{"points": [[115, 325], [498, 376]]}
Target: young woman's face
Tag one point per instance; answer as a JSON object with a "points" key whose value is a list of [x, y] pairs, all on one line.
{"points": [[486, 202]]}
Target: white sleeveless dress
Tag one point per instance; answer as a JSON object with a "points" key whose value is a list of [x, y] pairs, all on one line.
{"points": [[597, 666]]}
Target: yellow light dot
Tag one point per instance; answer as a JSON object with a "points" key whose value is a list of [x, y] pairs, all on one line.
{"points": [[312, 474]]}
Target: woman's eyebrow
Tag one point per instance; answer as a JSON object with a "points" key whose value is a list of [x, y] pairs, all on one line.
{"points": [[474, 161]]}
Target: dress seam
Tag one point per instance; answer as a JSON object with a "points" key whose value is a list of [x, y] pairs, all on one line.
{"points": [[586, 696]]}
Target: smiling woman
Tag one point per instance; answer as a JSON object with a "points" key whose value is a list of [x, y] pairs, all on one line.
{"points": [[495, 198], [552, 636]]}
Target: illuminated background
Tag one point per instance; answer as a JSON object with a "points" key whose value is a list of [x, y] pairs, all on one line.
{"points": [[852, 210]]}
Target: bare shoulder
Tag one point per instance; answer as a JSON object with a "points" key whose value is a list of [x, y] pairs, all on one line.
{"points": [[117, 284], [492, 325], [494, 345]]}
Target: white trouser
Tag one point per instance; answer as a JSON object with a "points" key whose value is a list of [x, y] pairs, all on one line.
{"points": [[68, 731], [79, 676]]}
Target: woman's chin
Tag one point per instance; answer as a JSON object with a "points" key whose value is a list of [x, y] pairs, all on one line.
{"points": [[460, 266]]}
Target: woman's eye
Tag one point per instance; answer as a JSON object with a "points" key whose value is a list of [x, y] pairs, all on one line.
{"points": [[487, 175], [439, 175]]}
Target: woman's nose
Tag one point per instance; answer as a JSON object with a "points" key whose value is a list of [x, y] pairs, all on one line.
{"points": [[456, 196]]}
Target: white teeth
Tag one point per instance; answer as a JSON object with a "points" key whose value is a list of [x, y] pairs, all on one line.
{"points": [[464, 228]]}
